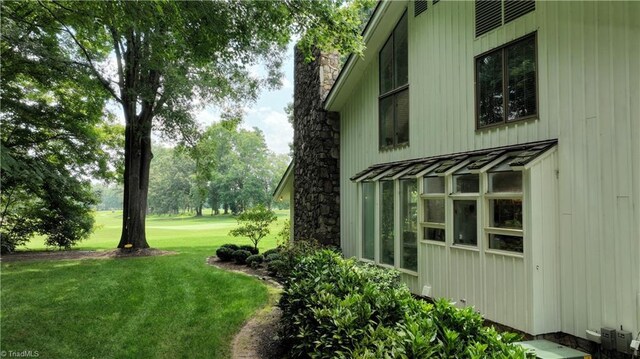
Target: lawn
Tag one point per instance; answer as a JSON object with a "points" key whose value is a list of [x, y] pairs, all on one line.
{"points": [[173, 306]]}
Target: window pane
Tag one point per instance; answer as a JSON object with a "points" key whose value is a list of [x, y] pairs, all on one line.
{"points": [[409, 224], [506, 243], [466, 183], [505, 181], [521, 64], [386, 67], [386, 222], [402, 117], [400, 53], [386, 121], [434, 210], [464, 223], [506, 213], [434, 234], [434, 185], [368, 219], [489, 92]]}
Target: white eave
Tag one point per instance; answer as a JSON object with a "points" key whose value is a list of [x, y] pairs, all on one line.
{"points": [[285, 186], [374, 35]]}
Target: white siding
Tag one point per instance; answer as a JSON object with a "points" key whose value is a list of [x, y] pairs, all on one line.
{"points": [[589, 99]]}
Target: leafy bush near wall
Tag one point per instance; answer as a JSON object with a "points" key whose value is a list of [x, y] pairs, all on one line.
{"points": [[339, 308]]}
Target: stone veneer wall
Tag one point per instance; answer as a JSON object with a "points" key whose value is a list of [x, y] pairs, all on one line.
{"points": [[316, 144]]}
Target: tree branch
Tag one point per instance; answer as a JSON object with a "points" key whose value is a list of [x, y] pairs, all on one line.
{"points": [[105, 83]]}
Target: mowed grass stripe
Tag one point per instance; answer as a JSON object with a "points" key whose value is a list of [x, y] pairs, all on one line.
{"points": [[156, 307]]}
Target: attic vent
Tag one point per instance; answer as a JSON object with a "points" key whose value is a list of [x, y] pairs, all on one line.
{"points": [[435, 2], [513, 9], [420, 7], [488, 15]]}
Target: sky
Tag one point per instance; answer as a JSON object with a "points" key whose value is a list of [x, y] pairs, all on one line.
{"points": [[267, 113]]}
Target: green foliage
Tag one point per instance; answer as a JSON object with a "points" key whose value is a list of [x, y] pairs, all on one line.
{"points": [[170, 58], [254, 224], [249, 248], [277, 268], [271, 251], [235, 247], [285, 233], [54, 135], [225, 254], [340, 308], [240, 256], [272, 257], [254, 260]]}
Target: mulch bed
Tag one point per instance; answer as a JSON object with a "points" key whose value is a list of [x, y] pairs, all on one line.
{"points": [[72, 254]]}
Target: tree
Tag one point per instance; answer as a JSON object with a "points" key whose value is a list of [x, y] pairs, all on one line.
{"points": [[170, 183], [172, 55], [254, 224], [53, 138]]}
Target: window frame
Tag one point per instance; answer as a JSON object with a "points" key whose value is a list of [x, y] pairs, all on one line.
{"points": [[426, 196], [395, 90], [505, 83]]}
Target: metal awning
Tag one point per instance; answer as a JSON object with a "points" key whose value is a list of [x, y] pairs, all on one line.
{"points": [[526, 153]]}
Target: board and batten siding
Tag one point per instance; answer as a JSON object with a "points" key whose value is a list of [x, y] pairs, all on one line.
{"points": [[588, 62]]}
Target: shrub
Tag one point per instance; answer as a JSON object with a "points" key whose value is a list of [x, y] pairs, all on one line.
{"points": [[225, 254], [271, 251], [276, 268], [233, 247], [339, 308], [272, 257], [240, 256], [254, 224], [249, 248], [291, 255], [254, 258]]}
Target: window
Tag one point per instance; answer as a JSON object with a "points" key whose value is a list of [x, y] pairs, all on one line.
{"points": [[434, 209], [368, 220], [387, 228], [506, 84], [409, 224], [394, 89], [504, 203], [465, 220], [489, 13]]}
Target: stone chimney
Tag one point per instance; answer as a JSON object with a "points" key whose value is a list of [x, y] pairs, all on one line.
{"points": [[316, 151]]}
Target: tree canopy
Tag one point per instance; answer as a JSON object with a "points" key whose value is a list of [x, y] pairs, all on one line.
{"points": [[158, 60], [53, 138]]}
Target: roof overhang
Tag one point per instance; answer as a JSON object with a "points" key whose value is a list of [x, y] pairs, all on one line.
{"points": [[285, 187], [374, 35]]}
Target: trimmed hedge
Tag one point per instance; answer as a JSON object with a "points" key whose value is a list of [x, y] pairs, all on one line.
{"points": [[225, 254], [254, 258], [340, 308], [250, 249], [240, 256]]}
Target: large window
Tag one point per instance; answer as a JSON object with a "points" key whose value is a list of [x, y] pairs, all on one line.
{"points": [[506, 84], [504, 202], [409, 224], [394, 91], [368, 220], [387, 221], [433, 194], [466, 188]]}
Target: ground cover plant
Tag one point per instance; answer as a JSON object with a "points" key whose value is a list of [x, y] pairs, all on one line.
{"points": [[159, 307], [339, 308]]}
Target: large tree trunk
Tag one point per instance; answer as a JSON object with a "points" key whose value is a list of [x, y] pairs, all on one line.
{"points": [[137, 156], [199, 211]]}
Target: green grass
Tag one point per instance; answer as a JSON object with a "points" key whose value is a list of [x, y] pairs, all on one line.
{"points": [[156, 307]]}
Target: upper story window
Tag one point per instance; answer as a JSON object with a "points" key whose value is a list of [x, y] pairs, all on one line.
{"points": [[394, 89], [506, 83]]}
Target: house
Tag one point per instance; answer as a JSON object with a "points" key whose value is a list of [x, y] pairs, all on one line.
{"points": [[490, 151]]}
